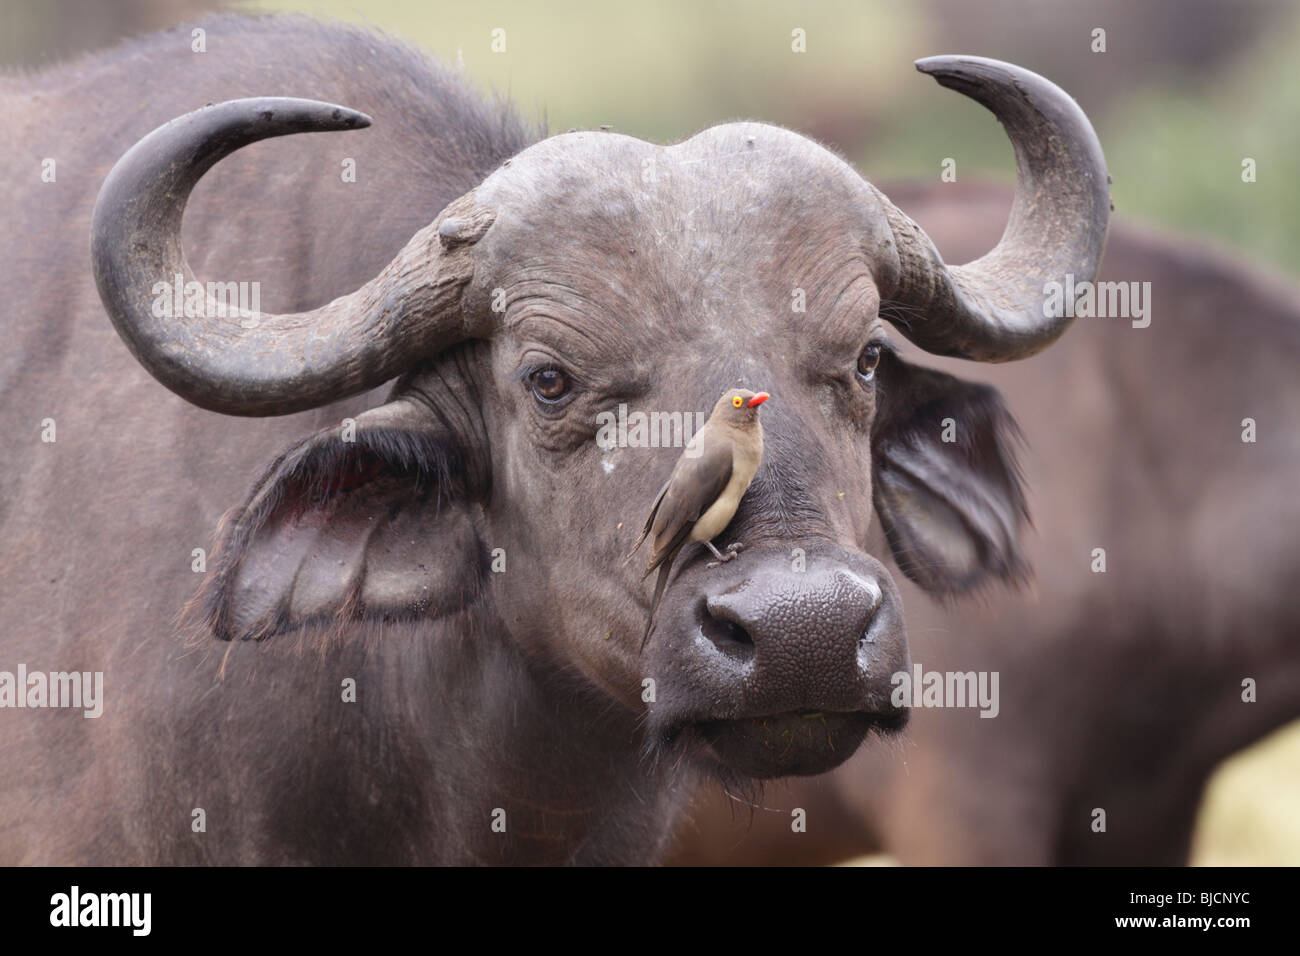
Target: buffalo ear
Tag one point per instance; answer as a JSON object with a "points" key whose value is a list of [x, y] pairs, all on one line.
{"points": [[366, 522], [946, 482]]}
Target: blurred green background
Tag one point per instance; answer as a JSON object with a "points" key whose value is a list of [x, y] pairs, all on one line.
{"points": [[1184, 91]]}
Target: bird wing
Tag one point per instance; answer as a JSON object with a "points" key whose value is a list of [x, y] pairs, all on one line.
{"points": [[650, 520], [696, 483]]}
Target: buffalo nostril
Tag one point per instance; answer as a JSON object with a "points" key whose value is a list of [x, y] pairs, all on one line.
{"points": [[728, 637]]}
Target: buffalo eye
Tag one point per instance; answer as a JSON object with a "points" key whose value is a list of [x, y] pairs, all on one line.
{"points": [[550, 385], [868, 359]]}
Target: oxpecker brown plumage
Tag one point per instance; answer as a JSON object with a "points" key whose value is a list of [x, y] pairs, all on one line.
{"points": [[701, 496]]}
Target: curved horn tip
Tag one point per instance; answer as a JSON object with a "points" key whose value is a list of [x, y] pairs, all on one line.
{"points": [[352, 119], [955, 63], [988, 309], [987, 81], [977, 76], [264, 116], [323, 116], [929, 64]]}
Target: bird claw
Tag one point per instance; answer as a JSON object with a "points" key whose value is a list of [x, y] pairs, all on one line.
{"points": [[724, 556]]}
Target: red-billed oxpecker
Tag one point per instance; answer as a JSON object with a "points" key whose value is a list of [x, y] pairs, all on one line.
{"points": [[701, 496]]}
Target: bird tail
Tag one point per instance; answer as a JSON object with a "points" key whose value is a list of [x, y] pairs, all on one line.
{"points": [[628, 557], [649, 523], [660, 583]]}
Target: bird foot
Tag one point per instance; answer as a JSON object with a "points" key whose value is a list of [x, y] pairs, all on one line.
{"points": [[724, 556]]}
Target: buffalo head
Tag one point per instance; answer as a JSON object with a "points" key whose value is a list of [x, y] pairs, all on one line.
{"points": [[594, 271]]}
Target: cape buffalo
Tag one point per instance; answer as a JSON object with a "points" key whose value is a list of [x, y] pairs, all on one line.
{"points": [[1120, 690], [415, 641]]}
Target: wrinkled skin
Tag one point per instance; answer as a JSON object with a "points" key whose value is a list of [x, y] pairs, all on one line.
{"points": [[478, 689], [702, 320]]}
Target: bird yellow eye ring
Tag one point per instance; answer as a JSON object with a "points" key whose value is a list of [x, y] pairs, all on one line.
{"points": [[737, 400]]}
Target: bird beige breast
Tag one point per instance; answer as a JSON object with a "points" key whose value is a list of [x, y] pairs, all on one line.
{"points": [[744, 463]]}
